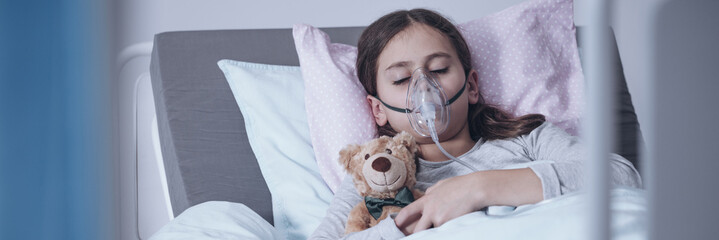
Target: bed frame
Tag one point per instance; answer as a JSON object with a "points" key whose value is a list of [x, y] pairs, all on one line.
{"points": [[144, 200]]}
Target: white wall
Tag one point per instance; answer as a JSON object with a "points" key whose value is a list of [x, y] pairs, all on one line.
{"points": [[140, 20]]}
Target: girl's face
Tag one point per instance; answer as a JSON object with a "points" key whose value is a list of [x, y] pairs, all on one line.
{"points": [[421, 46]]}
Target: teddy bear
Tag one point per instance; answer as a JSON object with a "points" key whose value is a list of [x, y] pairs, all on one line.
{"points": [[383, 171]]}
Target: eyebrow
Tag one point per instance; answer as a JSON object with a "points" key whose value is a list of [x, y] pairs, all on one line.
{"points": [[427, 59]]}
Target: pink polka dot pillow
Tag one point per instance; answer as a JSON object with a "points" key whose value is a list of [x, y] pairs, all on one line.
{"points": [[528, 61], [337, 109], [526, 56]]}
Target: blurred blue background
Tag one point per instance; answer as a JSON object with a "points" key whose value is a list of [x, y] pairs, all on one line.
{"points": [[55, 175]]}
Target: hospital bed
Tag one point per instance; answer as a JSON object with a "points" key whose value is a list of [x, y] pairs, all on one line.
{"points": [[182, 138]]}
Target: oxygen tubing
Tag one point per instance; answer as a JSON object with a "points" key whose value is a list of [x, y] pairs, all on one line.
{"points": [[435, 139]]}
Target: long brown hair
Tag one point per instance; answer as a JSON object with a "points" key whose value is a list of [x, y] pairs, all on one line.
{"points": [[485, 121]]}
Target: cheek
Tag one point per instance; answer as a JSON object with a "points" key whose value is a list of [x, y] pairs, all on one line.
{"points": [[391, 94], [458, 117], [396, 118], [399, 121], [460, 107], [452, 83]]}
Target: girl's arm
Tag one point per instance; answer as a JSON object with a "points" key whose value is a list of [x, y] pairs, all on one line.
{"points": [[333, 224], [559, 162], [556, 169], [456, 196]]}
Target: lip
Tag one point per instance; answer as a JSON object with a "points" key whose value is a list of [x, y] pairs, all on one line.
{"points": [[385, 184]]}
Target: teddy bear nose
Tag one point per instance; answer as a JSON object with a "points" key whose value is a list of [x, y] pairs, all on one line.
{"points": [[381, 164]]}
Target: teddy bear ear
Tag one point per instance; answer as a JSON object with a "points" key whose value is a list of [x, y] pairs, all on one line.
{"points": [[408, 141], [346, 155]]}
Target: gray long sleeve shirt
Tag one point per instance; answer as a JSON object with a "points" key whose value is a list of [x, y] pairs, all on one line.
{"points": [[555, 156]]}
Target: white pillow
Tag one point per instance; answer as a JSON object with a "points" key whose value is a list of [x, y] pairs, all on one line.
{"points": [[271, 99]]}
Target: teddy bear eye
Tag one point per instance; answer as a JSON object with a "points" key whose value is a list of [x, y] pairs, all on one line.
{"points": [[366, 156], [388, 151]]}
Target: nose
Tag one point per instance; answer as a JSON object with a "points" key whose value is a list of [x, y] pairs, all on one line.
{"points": [[381, 164]]}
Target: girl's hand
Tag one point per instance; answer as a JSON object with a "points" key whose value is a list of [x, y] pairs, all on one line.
{"points": [[408, 228], [444, 201], [456, 196]]}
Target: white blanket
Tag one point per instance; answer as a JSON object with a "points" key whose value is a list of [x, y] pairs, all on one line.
{"points": [[217, 220], [558, 218]]}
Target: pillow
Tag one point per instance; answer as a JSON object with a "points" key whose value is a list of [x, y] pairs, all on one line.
{"points": [[528, 61], [271, 99], [526, 57], [337, 109]]}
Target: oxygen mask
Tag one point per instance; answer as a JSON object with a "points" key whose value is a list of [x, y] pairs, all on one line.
{"points": [[427, 104], [428, 108]]}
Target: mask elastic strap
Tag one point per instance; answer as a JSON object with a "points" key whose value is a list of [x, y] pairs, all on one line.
{"points": [[456, 96], [396, 109], [404, 110]]}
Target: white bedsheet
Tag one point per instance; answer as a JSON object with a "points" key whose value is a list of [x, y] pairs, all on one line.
{"points": [[558, 218]]}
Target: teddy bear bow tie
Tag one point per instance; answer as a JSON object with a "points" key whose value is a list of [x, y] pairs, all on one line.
{"points": [[374, 205]]}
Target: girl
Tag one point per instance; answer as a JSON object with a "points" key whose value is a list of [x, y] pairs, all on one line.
{"points": [[485, 140]]}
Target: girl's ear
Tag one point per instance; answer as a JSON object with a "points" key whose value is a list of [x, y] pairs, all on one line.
{"points": [[473, 88], [379, 115]]}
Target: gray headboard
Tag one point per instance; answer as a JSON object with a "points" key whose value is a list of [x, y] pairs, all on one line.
{"points": [[205, 148]]}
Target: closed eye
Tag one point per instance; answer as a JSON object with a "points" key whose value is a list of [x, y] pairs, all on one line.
{"points": [[401, 81], [440, 71]]}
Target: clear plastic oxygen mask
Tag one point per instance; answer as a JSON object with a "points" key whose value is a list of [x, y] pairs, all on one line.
{"points": [[428, 109], [427, 103]]}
